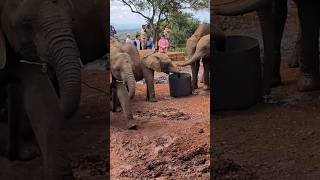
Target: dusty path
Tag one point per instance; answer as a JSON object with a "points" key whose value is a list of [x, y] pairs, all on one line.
{"points": [[277, 141], [172, 141]]}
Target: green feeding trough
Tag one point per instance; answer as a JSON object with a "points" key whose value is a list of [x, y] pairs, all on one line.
{"points": [[236, 74], [180, 84]]}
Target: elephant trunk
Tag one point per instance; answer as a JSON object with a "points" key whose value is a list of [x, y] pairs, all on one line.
{"points": [[65, 58], [239, 7], [131, 83], [193, 59], [173, 69]]}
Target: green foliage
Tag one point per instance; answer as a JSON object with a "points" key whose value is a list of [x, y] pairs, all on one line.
{"points": [[182, 25], [157, 11]]}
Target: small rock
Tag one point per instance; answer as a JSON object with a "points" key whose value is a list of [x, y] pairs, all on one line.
{"points": [[201, 131]]}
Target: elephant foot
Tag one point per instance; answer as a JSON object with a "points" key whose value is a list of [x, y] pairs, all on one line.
{"points": [[308, 83], [26, 152], [153, 100], [206, 87], [118, 109], [276, 81], [195, 86], [132, 126]]}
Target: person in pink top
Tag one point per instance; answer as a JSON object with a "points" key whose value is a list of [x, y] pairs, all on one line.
{"points": [[163, 44]]}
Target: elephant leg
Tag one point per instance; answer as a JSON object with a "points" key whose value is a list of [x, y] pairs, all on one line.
{"points": [[21, 143], [149, 78], [293, 62], [272, 21], [206, 73], [280, 11], [47, 120], [203, 74], [309, 64], [124, 99], [195, 70]]}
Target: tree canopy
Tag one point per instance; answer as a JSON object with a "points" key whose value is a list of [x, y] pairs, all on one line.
{"points": [[156, 11], [182, 25]]}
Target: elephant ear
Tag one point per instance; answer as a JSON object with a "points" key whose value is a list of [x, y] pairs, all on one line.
{"points": [[3, 56], [152, 62]]}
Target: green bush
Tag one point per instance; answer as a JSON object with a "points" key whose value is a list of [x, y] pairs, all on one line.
{"points": [[182, 25]]}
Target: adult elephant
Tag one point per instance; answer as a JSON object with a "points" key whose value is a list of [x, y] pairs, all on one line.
{"points": [[202, 30], [272, 15], [202, 51], [41, 44], [124, 83]]}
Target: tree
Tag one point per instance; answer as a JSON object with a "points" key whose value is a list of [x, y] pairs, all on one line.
{"points": [[182, 25], [155, 11]]}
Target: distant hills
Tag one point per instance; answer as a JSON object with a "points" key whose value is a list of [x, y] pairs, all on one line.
{"points": [[121, 33]]}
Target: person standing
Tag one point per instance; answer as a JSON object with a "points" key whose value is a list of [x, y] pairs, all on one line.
{"points": [[129, 40], [143, 37], [163, 44], [137, 42], [167, 33], [150, 44]]}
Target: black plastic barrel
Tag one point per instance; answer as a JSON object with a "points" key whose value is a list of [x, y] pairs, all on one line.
{"points": [[236, 74], [180, 84]]}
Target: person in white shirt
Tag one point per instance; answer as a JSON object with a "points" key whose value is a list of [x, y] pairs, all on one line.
{"points": [[137, 42], [129, 40]]}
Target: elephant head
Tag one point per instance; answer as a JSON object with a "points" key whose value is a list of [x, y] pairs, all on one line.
{"points": [[202, 50], [41, 31], [121, 69], [237, 7], [159, 62]]}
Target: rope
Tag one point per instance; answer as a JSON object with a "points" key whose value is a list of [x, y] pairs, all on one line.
{"points": [[97, 89], [44, 66]]}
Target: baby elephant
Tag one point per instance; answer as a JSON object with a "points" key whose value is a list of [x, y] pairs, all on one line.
{"points": [[153, 61], [202, 52], [123, 82]]}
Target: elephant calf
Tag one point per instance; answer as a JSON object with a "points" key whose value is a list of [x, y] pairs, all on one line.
{"points": [[123, 81], [202, 51], [202, 30], [153, 61]]}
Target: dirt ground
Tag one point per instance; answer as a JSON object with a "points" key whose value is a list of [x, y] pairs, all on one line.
{"points": [[85, 136], [172, 140], [269, 141]]}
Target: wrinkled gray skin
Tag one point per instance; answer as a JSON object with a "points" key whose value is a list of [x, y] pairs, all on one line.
{"points": [[150, 62], [53, 33], [202, 30], [124, 83], [202, 52], [272, 15], [145, 63]]}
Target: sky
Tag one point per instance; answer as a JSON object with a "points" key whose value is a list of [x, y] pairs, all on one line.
{"points": [[122, 18]]}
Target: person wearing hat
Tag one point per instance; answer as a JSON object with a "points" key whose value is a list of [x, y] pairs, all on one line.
{"points": [[129, 40]]}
